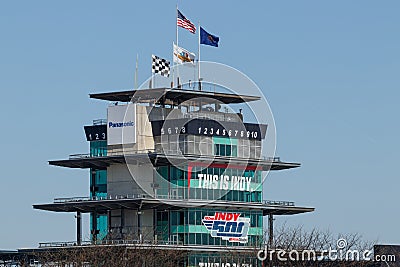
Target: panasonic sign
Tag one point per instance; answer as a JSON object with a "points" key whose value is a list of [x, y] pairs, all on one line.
{"points": [[121, 124]]}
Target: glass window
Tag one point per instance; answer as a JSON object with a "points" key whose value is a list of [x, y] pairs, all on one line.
{"points": [[205, 238], [259, 220], [209, 144], [181, 220], [210, 240], [182, 143], [235, 195], [246, 151], [204, 194], [223, 194], [248, 197], [174, 218], [191, 217], [217, 241], [222, 150], [192, 239], [252, 151], [216, 149], [254, 196], [198, 218], [258, 152], [228, 151], [253, 220], [197, 193], [229, 196], [234, 151], [198, 239]]}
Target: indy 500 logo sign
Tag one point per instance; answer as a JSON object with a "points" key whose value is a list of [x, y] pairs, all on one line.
{"points": [[228, 226]]}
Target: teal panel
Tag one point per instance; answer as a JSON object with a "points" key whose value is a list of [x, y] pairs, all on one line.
{"points": [[98, 148], [225, 140], [102, 226]]}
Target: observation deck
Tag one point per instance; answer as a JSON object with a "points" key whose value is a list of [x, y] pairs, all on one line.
{"points": [[85, 161], [135, 202]]}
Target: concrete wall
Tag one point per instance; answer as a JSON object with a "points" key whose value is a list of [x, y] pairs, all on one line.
{"points": [[129, 179], [128, 221]]}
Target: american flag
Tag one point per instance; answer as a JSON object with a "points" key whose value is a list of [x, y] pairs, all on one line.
{"points": [[183, 22]]}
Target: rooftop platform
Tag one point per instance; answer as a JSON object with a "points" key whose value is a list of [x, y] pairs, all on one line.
{"points": [[86, 205], [158, 159], [173, 95]]}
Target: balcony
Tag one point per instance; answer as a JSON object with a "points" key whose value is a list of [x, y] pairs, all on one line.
{"points": [[135, 202], [278, 203]]}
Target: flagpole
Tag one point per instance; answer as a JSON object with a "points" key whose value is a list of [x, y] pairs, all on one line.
{"points": [[173, 64], [136, 70], [152, 76], [177, 43], [176, 24], [198, 67], [152, 80]]}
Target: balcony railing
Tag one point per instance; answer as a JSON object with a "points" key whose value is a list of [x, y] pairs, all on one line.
{"points": [[212, 115], [62, 244], [79, 156], [138, 242], [100, 122], [278, 203], [109, 197]]}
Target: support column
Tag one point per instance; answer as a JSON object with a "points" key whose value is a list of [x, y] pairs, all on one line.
{"points": [[78, 228], [122, 223], [271, 230], [139, 223], [93, 215], [155, 237], [93, 183], [94, 227], [108, 221]]}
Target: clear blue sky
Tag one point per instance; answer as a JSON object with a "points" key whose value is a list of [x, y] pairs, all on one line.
{"points": [[329, 69]]}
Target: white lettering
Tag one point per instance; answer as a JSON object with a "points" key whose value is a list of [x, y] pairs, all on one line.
{"points": [[241, 183], [224, 182], [248, 180], [215, 182], [200, 176]]}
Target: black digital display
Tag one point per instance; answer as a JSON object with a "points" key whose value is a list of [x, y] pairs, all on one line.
{"points": [[96, 132], [210, 128]]}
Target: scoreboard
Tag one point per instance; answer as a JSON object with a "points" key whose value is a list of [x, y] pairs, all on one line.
{"points": [[209, 128], [203, 127], [96, 132]]}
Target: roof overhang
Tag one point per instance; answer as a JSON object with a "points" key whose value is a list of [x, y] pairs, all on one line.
{"points": [[158, 159], [103, 206], [178, 96]]}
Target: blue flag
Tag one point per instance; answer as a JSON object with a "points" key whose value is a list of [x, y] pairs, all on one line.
{"points": [[208, 39]]}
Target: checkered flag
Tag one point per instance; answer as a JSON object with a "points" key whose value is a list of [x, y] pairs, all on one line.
{"points": [[160, 65]]}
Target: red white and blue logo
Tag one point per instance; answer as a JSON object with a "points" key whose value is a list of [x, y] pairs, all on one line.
{"points": [[228, 226]]}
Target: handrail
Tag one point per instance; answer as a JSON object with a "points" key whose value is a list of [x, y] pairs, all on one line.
{"points": [[70, 199], [100, 122], [62, 244], [80, 156], [278, 203], [115, 197], [109, 242], [273, 159]]}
